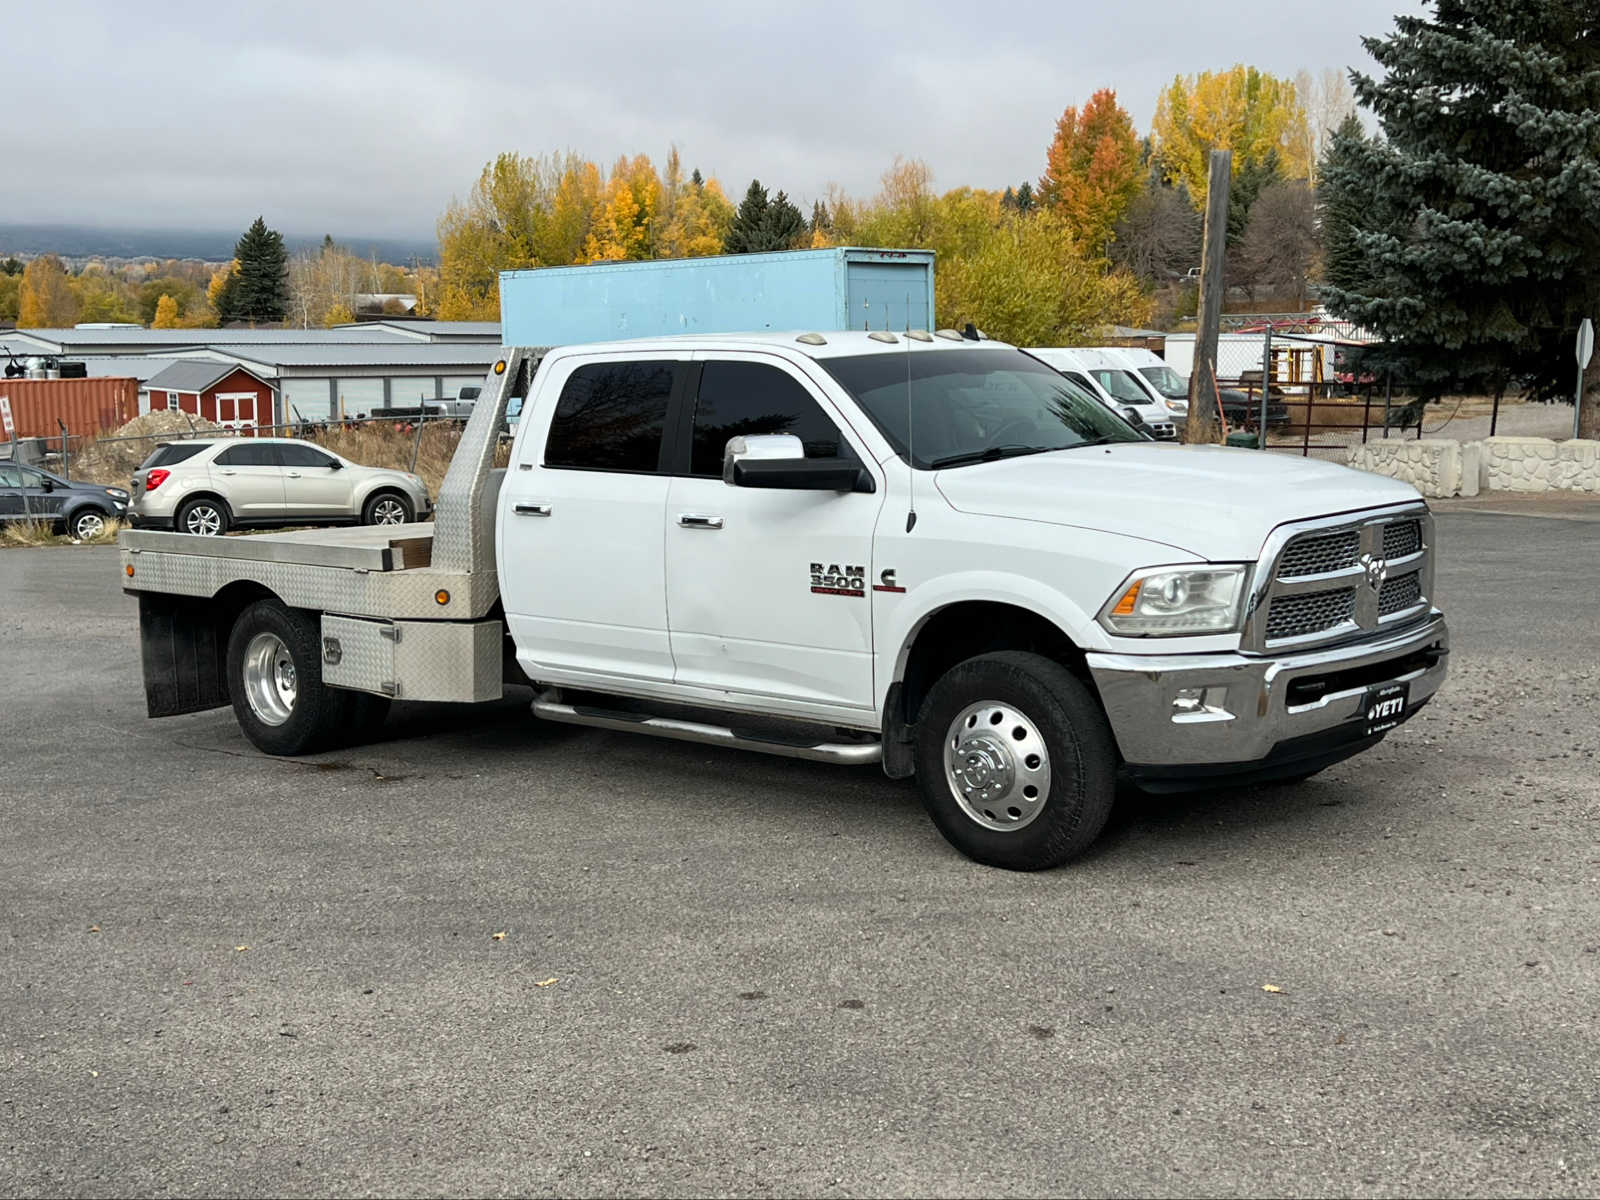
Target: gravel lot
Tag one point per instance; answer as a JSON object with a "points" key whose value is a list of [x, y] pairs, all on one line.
{"points": [[222, 974]]}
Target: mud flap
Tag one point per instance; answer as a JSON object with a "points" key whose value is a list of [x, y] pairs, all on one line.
{"points": [[184, 649]]}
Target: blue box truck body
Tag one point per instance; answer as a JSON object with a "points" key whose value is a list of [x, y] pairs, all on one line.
{"points": [[845, 287]]}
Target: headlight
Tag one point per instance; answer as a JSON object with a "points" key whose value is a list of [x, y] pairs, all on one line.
{"points": [[1178, 406], [1175, 601], [116, 493]]}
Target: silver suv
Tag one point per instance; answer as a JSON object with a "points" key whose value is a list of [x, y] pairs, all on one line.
{"points": [[211, 487]]}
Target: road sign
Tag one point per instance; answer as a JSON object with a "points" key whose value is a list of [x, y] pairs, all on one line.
{"points": [[5, 417], [1585, 343]]}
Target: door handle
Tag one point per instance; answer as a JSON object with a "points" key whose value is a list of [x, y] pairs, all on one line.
{"points": [[294, 474], [230, 472], [531, 510], [699, 521]]}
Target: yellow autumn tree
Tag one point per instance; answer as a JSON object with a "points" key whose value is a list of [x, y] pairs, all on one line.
{"points": [[698, 221], [1248, 111], [219, 282], [337, 314], [166, 313], [45, 299]]}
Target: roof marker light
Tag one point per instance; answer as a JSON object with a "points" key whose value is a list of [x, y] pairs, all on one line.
{"points": [[812, 339], [919, 335], [883, 335], [950, 335]]}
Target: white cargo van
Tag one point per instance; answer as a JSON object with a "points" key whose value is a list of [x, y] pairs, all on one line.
{"points": [[1106, 380]]}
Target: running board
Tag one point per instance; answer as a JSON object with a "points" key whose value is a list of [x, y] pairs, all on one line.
{"points": [[547, 705]]}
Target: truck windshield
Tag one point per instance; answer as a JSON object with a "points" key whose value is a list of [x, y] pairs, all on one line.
{"points": [[968, 405], [1167, 381]]}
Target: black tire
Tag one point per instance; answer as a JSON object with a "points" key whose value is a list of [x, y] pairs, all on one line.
{"points": [[1080, 758], [202, 505], [95, 517], [379, 504], [316, 715]]}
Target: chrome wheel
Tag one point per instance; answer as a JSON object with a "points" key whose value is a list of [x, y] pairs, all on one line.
{"points": [[388, 511], [88, 525], [997, 765], [204, 519], [269, 681]]}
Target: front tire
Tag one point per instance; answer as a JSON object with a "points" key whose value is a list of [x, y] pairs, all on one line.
{"points": [[387, 508], [275, 680], [1015, 761], [89, 523]]}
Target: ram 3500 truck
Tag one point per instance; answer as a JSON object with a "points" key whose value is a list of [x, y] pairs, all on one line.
{"points": [[907, 549]]}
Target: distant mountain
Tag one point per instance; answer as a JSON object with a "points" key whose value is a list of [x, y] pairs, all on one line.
{"points": [[80, 241]]}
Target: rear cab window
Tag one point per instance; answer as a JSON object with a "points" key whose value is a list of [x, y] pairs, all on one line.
{"points": [[612, 416]]}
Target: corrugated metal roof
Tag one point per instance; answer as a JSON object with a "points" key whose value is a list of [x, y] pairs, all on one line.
{"points": [[131, 366], [195, 376], [419, 354], [77, 341], [435, 331]]}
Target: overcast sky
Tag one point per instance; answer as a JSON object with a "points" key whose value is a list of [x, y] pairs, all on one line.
{"points": [[365, 118]]}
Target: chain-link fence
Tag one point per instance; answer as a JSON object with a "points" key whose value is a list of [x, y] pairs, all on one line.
{"points": [[422, 443]]}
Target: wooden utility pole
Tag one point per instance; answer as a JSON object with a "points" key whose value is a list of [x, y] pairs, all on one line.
{"points": [[1204, 424]]}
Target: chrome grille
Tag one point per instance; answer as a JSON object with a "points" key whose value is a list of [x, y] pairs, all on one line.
{"points": [[1324, 581], [1400, 594], [1318, 553], [1401, 538], [1310, 612]]}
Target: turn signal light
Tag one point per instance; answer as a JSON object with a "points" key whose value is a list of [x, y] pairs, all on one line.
{"points": [[1130, 598], [155, 479], [441, 597], [129, 570]]}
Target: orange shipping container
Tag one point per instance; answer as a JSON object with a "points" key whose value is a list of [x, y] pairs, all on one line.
{"points": [[87, 406]]}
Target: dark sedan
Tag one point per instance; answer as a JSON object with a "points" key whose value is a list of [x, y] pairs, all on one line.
{"points": [[80, 509]]}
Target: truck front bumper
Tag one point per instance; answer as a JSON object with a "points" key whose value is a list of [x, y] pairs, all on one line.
{"points": [[1185, 718]]}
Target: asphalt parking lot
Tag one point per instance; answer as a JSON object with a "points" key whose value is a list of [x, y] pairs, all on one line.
{"points": [[224, 974]]}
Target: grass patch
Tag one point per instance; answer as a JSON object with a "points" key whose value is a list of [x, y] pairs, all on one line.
{"points": [[26, 534]]}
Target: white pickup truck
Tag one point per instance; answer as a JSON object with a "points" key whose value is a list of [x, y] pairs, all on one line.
{"points": [[907, 549]]}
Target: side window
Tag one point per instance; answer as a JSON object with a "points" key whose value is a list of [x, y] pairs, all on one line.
{"points": [[611, 417], [297, 454], [260, 454], [738, 398], [10, 477]]}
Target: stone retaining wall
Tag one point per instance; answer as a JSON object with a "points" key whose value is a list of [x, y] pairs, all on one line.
{"points": [[1438, 467]]}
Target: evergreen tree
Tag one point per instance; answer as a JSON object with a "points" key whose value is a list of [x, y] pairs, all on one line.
{"points": [[259, 289], [1253, 176], [785, 227], [697, 179], [820, 221], [11, 266], [1338, 209], [763, 224], [1025, 199], [1009, 200], [1473, 244], [744, 235]]}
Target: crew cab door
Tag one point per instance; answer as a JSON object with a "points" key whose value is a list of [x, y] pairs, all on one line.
{"points": [[579, 534], [767, 590]]}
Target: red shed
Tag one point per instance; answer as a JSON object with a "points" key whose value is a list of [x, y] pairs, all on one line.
{"points": [[222, 392]]}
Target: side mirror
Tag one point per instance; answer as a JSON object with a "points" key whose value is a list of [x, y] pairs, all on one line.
{"points": [[47, 484], [778, 460], [1132, 417], [336, 465]]}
